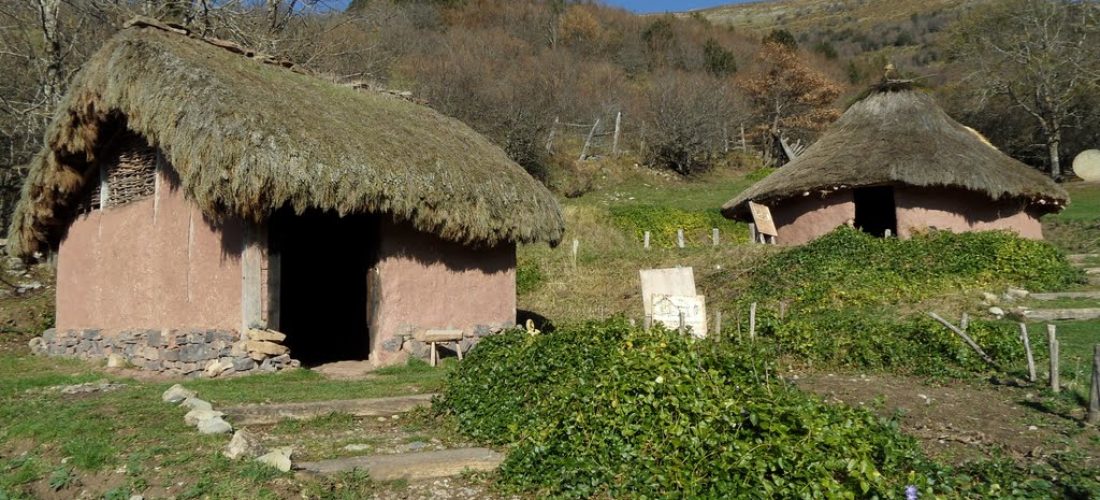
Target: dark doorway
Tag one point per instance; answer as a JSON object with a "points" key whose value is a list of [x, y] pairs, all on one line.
{"points": [[320, 297], [875, 210]]}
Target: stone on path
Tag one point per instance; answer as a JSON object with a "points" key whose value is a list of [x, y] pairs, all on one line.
{"points": [[243, 445], [218, 366], [214, 425], [261, 414], [412, 466], [278, 458], [1066, 295], [194, 417], [176, 394], [194, 403], [1063, 314], [997, 312]]}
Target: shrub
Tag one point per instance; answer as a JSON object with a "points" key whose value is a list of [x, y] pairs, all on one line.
{"points": [[664, 222], [848, 268], [604, 409]]}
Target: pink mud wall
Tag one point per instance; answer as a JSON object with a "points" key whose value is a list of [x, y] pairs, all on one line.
{"points": [[958, 210], [802, 219], [154, 263], [426, 283]]}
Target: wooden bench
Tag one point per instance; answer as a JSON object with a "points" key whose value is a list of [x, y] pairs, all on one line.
{"points": [[434, 337]]}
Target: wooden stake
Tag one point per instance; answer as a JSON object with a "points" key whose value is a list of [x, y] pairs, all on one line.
{"points": [[682, 328], [647, 322], [1030, 357], [618, 131], [969, 341], [550, 139], [964, 322], [680, 238], [1094, 393], [752, 322], [1052, 341], [753, 235], [718, 324], [782, 310], [744, 143], [646, 244], [576, 246], [434, 355], [714, 236], [588, 141], [458, 349]]}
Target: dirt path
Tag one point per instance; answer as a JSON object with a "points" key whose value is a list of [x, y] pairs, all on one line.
{"points": [[961, 421]]}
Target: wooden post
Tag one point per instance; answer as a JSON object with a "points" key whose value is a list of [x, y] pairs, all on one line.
{"points": [[969, 341], [618, 131], [576, 246], [752, 233], [752, 322], [434, 356], [588, 141], [646, 244], [550, 140], [458, 349], [647, 322], [682, 327], [718, 324], [744, 144], [1030, 357], [782, 310], [714, 236], [964, 322], [680, 238], [1094, 392], [1052, 341]]}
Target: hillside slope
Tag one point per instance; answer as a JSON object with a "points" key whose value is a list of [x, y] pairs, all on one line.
{"points": [[867, 33]]}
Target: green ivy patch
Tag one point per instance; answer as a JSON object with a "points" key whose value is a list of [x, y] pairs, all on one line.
{"points": [[664, 222], [604, 409]]}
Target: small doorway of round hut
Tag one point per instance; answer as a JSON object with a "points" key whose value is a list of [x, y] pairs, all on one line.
{"points": [[875, 210], [321, 300]]}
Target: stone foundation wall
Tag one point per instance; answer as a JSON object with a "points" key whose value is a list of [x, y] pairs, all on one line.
{"points": [[185, 352]]}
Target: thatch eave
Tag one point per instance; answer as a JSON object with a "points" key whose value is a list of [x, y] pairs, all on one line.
{"points": [[247, 138], [897, 135]]}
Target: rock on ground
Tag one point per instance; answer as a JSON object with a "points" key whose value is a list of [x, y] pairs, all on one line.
{"points": [[243, 445], [278, 458], [176, 394], [214, 425], [194, 417], [196, 404]]}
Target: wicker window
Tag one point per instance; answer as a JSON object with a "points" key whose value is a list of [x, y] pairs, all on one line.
{"points": [[127, 174]]}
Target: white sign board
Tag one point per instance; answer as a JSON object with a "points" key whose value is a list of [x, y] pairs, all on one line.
{"points": [[668, 309], [675, 281], [762, 216]]}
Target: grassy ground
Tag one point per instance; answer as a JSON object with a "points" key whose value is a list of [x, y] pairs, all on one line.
{"points": [[1077, 228], [112, 444]]}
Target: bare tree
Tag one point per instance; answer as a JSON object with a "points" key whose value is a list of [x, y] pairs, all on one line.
{"points": [[1039, 54]]}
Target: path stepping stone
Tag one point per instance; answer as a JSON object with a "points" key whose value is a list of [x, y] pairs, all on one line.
{"points": [[1066, 295], [1063, 314], [262, 414], [1092, 270], [1081, 257], [412, 466]]}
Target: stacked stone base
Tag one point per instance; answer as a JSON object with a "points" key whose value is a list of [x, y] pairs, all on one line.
{"points": [[185, 352]]}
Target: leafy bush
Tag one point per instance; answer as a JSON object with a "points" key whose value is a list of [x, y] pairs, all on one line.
{"points": [[604, 409], [851, 268], [663, 223], [529, 277], [844, 291]]}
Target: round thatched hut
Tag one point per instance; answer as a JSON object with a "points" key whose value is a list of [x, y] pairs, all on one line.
{"points": [[895, 161], [211, 208]]}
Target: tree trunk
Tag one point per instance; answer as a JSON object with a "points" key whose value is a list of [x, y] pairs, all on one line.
{"points": [[52, 79], [1054, 145]]}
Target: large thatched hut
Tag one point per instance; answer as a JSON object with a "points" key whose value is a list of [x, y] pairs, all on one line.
{"points": [[895, 161], [198, 196]]}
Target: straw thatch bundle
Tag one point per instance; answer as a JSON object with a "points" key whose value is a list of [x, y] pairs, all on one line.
{"points": [[247, 138], [899, 135]]}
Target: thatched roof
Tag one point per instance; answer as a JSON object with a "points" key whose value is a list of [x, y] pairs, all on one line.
{"points": [[247, 138], [899, 135]]}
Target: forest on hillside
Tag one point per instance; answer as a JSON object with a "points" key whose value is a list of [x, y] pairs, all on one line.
{"points": [[551, 81]]}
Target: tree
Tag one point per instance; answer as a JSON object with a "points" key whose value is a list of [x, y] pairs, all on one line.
{"points": [[685, 121], [1040, 55], [717, 59], [789, 97]]}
